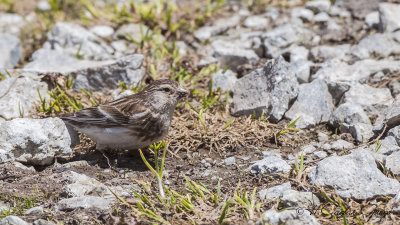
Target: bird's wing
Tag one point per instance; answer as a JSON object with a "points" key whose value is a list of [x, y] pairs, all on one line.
{"points": [[120, 112]]}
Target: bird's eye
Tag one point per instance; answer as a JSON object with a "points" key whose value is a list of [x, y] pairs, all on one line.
{"points": [[166, 89]]}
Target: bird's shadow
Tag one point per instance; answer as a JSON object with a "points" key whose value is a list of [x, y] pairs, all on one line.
{"points": [[116, 160]]}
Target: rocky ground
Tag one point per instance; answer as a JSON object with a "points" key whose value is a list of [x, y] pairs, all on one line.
{"points": [[293, 116]]}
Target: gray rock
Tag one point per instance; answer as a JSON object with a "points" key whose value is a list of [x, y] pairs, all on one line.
{"points": [[92, 75], [324, 52], [72, 39], [319, 5], [13, 220], [304, 14], [354, 176], [47, 60], [219, 27], [81, 185], [358, 10], [283, 36], [85, 202], [81, 163], [395, 133], [3, 206], [362, 132], [268, 90], [132, 30], [223, 80], [373, 100], [322, 17], [387, 147], [183, 48], [302, 70], [120, 47], [256, 22], [127, 69], [232, 55], [102, 31], [310, 148], [43, 222], [339, 11], [22, 166], [372, 19], [339, 74], [320, 154], [11, 23], [288, 217], [230, 161], [377, 45], [43, 6], [34, 211], [394, 204], [340, 145], [19, 95], [207, 61], [392, 162], [313, 105], [33, 141], [297, 199], [271, 164], [389, 118], [297, 53], [274, 192], [10, 51], [351, 118], [389, 16], [322, 137]]}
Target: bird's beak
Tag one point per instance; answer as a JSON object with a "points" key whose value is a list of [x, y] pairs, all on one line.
{"points": [[182, 92]]}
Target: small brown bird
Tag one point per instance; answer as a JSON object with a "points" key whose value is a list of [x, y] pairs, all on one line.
{"points": [[131, 122]]}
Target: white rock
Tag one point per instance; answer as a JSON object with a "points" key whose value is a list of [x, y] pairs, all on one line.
{"points": [[275, 191], [312, 106], [372, 19], [220, 26], [319, 5], [11, 23], [372, 99], [354, 176], [102, 31], [43, 6], [392, 162], [256, 22], [297, 199], [73, 39], [13, 220], [81, 185], [322, 17], [33, 141], [288, 217], [268, 90], [92, 75], [270, 165], [225, 80], [389, 16], [10, 51], [19, 95], [86, 202], [34, 211], [305, 14], [376, 45], [232, 55], [324, 52]]}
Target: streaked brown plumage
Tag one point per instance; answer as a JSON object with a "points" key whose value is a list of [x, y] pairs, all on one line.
{"points": [[131, 122]]}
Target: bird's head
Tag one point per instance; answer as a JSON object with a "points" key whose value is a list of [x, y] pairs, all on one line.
{"points": [[165, 93]]}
